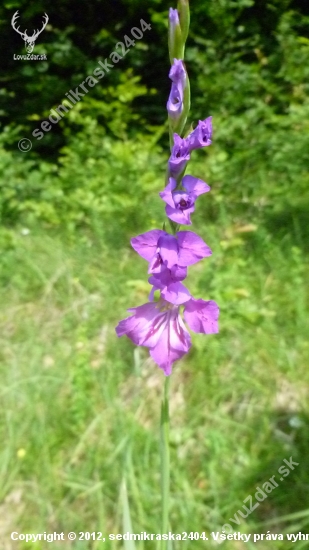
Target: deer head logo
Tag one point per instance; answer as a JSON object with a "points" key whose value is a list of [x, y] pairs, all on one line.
{"points": [[29, 40]]}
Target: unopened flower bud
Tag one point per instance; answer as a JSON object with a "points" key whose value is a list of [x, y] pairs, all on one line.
{"points": [[175, 38]]}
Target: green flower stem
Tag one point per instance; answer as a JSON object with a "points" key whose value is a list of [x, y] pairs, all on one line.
{"points": [[165, 460], [174, 226]]}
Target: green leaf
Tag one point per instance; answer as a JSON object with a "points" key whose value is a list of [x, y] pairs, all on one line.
{"points": [[126, 517]]}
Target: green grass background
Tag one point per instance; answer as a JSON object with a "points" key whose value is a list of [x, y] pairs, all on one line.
{"points": [[80, 408]]}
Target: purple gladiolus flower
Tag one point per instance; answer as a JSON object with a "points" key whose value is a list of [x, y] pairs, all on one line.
{"points": [[162, 250], [180, 204], [179, 156], [159, 326], [201, 135]]}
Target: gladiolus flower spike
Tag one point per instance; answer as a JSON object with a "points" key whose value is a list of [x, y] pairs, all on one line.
{"points": [[159, 325]]}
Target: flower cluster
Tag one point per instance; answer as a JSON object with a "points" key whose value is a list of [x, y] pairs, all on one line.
{"points": [[158, 325]]}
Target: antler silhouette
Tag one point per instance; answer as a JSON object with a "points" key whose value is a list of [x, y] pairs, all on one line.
{"points": [[13, 21], [36, 33], [24, 34]]}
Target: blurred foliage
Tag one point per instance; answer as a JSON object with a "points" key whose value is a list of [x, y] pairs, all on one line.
{"points": [[95, 177], [247, 62]]}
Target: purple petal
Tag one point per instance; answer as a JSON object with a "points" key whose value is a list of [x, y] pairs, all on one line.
{"points": [[177, 165], [156, 264], [182, 199], [166, 195], [156, 281], [173, 17], [195, 185], [179, 273], [174, 342], [179, 216], [176, 293], [175, 101], [146, 244], [145, 326], [168, 276], [168, 249], [177, 72], [206, 131], [202, 316], [192, 248], [179, 156]]}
